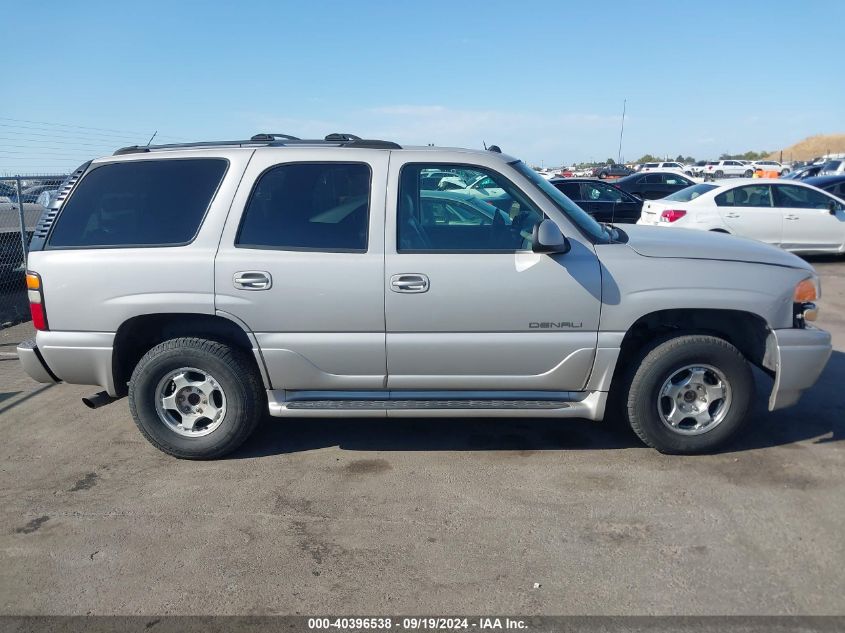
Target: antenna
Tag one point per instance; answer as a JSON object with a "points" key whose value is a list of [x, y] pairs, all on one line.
{"points": [[622, 131], [484, 143], [151, 138]]}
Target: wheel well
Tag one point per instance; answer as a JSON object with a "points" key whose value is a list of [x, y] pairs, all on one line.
{"points": [[745, 331], [136, 336]]}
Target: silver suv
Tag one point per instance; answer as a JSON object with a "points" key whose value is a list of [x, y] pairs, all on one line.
{"points": [[216, 282]]}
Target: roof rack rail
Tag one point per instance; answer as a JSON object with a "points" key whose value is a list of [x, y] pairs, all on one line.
{"points": [[339, 136], [269, 140], [269, 136]]}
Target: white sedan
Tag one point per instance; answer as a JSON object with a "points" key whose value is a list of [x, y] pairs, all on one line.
{"points": [[790, 214]]}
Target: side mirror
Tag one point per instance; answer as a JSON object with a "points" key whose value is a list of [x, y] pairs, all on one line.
{"points": [[548, 238], [833, 207]]}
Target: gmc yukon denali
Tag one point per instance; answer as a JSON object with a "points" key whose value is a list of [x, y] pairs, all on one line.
{"points": [[215, 282]]}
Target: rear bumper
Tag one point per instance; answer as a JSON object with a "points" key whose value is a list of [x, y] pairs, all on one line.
{"points": [[33, 363], [797, 357]]}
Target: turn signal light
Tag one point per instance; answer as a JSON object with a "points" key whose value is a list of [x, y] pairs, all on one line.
{"points": [[33, 281], [672, 215], [805, 291]]}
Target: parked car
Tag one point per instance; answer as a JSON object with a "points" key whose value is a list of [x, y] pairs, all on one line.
{"points": [[668, 166], [803, 173], [610, 171], [306, 279], [770, 166], [834, 185], [722, 168], [653, 185], [833, 167], [605, 201], [697, 169], [793, 215]]}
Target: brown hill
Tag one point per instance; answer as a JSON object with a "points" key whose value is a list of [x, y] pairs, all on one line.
{"points": [[811, 147]]}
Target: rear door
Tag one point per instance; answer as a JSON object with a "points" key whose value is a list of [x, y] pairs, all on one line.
{"points": [[808, 223], [303, 266], [749, 211], [469, 306]]}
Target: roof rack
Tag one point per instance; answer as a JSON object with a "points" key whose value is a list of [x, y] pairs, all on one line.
{"points": [[270, 140]]}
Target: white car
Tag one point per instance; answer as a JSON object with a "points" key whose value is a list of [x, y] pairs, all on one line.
{"points": [[790, 214], [669, 166], [722, 168], [770, 165]]}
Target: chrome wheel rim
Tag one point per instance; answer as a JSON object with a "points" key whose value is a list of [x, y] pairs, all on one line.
{"points": [[190, 402], [694, 399]]}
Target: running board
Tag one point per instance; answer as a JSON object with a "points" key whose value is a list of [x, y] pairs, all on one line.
{"points": [[580, 404], [379, 405]]}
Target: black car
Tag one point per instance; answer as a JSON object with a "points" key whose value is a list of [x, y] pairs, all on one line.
{"points": [[803, 173], [604, 201], [611, 171], [653, 185], [834, 185]]}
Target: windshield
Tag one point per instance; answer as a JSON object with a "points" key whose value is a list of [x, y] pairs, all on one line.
{"points": [[690, 193], [575, 213]]}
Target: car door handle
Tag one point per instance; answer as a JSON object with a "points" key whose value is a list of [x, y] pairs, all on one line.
{"points": [[252, 280], [409, 282], [732, 215], [792, 217]]}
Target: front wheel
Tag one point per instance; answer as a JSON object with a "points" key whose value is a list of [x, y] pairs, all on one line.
{"points": [[748, 173], [720, 173], [689, 394], [602, 175], [194, 398]]}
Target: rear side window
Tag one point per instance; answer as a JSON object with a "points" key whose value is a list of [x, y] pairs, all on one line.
{"points": [[139, 203], [309, 206]]}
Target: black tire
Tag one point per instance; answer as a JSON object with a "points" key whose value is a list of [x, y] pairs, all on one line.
{"points": [[748, 173], [663, 359], [231, 368], [602, 175], [719, 174]]}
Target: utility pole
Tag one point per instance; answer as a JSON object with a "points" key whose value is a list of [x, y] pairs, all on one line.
{"points": [[621, 132]]}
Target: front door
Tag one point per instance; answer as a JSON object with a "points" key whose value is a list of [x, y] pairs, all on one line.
{"points": [[808, 223], [468, 305], [750, 212], [303, 267], [609, 204]]}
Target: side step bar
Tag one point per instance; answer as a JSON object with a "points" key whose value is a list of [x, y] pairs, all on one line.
{"points": [[579, 404], [379, 405]]}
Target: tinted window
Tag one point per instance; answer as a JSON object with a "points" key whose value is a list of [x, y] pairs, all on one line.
{"points": [[653, 179], [792, 197], [489, 215], [598, 192], [571, 190], [674, 179], [309, 206], [139, 203], [749, 196]]}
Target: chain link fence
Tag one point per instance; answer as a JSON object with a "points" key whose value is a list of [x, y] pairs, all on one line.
{"points": [[22, 199]]}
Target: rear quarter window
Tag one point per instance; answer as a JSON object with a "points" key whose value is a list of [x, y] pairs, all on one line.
{"points": [[139, 203]]}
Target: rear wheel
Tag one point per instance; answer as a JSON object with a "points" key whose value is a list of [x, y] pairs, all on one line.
{"points": [[748, 173], [719, 174], [603, 175], [194, 398], [689, 394]]}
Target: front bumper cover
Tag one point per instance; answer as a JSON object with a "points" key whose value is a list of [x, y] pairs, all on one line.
{"points": [[797, 356]]}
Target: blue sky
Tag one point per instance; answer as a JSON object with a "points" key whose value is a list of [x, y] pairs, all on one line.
{"points": [[545, 81]]}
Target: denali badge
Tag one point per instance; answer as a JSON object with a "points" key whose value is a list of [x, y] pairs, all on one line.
{"points": [[554, 325]]}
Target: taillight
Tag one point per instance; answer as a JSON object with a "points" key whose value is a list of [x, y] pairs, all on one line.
{"points": [[672, 215], [35, 291]]}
